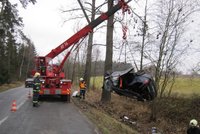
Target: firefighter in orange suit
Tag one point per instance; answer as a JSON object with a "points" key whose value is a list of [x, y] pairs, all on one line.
{"points": [[82, 86], [36, 89]]}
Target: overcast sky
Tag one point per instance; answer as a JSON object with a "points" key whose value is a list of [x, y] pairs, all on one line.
{"points": [[44, 24]]}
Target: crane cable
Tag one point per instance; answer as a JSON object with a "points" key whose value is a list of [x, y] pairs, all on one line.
{"points": [[125, 8]]}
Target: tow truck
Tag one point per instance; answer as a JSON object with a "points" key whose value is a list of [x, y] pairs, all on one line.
{"points": [[53, 78]]}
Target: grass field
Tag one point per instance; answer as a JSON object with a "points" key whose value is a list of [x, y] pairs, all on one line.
{"points": [[187, 85], [183, 85], [98, 82]]}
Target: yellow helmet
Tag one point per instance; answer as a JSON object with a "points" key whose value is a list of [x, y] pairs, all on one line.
{"points": [[37, 74], [193, 123]]}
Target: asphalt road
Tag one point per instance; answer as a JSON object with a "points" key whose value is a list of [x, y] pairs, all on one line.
{"points": [[52, 117]]}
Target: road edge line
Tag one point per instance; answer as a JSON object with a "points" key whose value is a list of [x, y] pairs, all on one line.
{"points": [[4, 119]]}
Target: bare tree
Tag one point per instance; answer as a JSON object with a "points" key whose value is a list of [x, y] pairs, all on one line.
{"points": [[74, 65], [171, 19], [97, 54], [106, 95], [144, 31]]}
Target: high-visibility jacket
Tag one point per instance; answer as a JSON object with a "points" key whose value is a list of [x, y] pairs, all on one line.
{"points": [[82, 85], [36, 85]]}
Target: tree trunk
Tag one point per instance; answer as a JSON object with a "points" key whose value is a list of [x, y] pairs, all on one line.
{"points": [[22, 63], [144, 30], [89, 51], [106, 95], [74, 65], [88, 61], [29, 60], [95, 68]]}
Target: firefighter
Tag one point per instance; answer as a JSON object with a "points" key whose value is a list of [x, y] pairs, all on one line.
{"points": [[82, 86], [36, 89], [193, 127]]}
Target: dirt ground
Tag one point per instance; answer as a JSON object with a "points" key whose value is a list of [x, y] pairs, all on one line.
{"points": [[172, 113]]}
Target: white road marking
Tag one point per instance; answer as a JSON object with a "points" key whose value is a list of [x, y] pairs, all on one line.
{"points": [[4, 119], [21, 104]]}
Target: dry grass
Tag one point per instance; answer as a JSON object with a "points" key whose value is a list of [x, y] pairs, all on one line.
{"points": [[10, 86], [107, 124], [172, 117]]}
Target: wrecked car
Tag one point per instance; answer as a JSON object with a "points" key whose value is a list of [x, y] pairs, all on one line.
{"points": [[138, 85]]}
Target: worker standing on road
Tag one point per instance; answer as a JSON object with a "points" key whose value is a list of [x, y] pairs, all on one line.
{"points": [[36, 89], [193, 127], [82, 86]]}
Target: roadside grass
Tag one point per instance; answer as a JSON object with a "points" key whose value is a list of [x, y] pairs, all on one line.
{"points": [[173, 114], [108, 125], [5, 87]]}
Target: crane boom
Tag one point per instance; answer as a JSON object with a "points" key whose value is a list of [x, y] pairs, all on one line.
{"points": [[53, 78]]}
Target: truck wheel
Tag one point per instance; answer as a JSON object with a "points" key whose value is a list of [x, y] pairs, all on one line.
{"points": [[65, 98], [39, 98], [68, 98]]}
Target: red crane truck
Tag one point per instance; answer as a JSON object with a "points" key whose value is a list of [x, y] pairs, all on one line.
{"points": [[54, 82]]}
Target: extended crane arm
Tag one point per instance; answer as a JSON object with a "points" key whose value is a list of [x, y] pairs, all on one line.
{"points": [[86, 30]]}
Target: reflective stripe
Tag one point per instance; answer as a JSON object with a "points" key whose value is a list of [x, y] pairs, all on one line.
{"points": [[58, 91], [36, 90], [35, 101], [37, 84], [46, 92]]}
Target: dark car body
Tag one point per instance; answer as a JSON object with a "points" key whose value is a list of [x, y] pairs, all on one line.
{"points": [[29, 82], [127, 83]]}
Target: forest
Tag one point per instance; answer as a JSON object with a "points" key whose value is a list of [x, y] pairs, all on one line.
{"points": [[17, 50]]}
